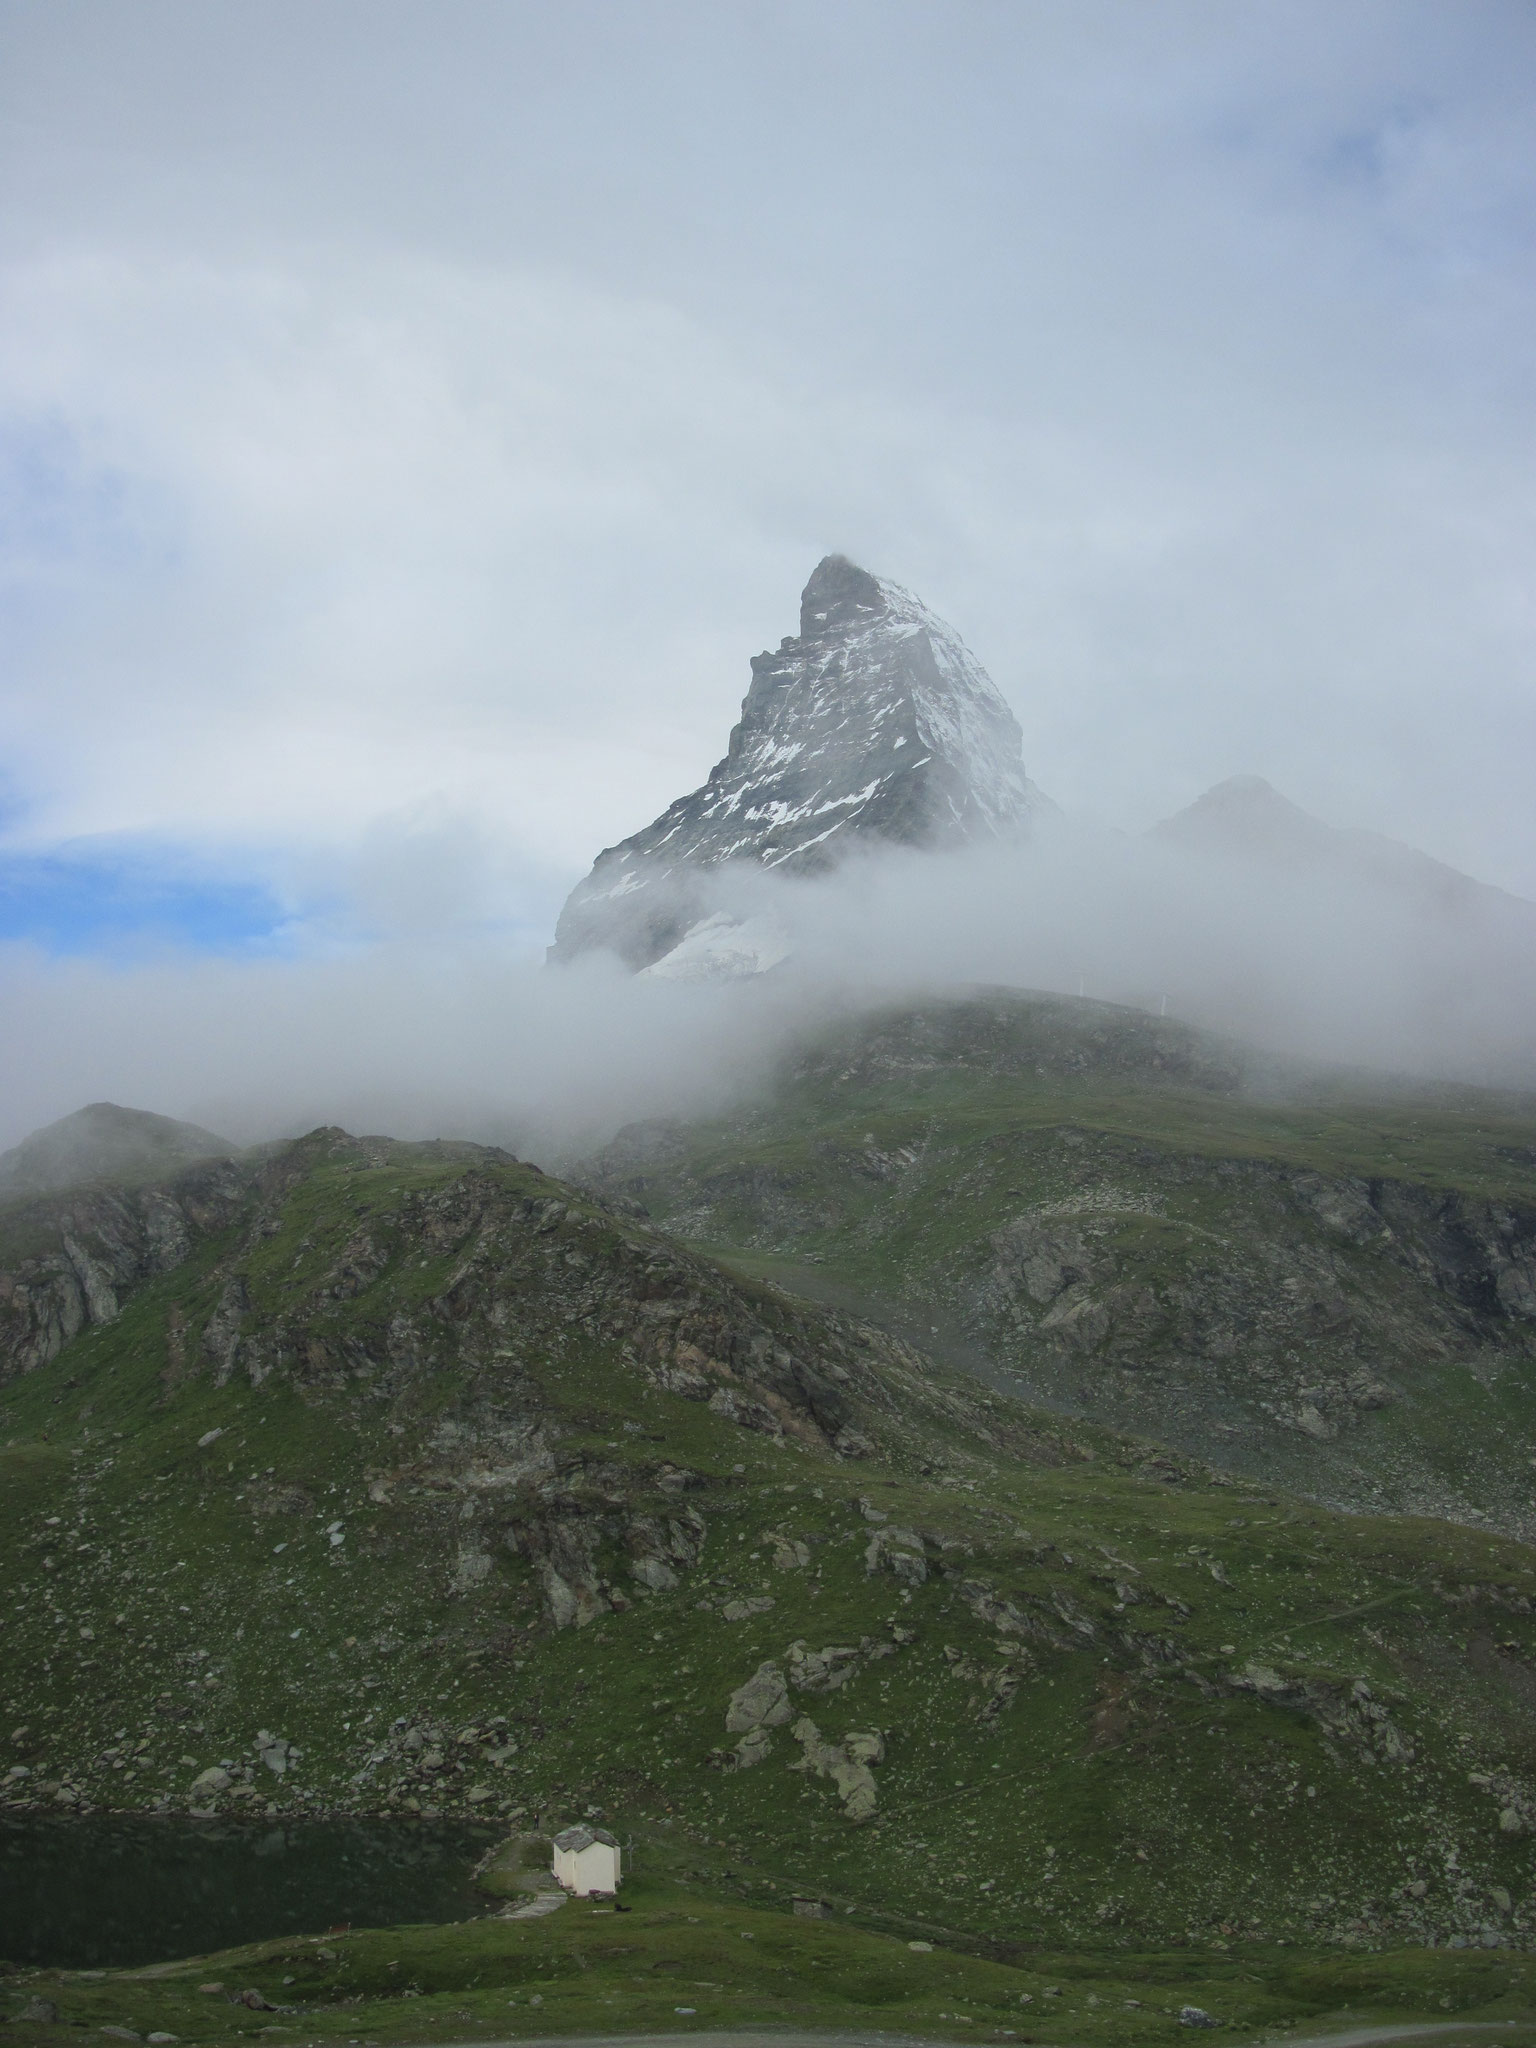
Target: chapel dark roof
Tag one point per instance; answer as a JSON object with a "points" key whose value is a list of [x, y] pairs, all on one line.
{"points": [[579, 1838]]}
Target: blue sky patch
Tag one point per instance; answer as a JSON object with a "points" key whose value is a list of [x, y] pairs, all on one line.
{"points": [[101, 900], [63, 505]]}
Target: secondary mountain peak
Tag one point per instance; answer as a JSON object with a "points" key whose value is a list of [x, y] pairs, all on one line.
{"points": [[875, 723], [104, 1141], [1246, 819], [1245, 811]]}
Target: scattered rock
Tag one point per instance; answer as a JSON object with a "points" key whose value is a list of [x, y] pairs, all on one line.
{"points": [[1196, 2016], [472, 1567], [899, 1551], [42, 2011], [821, 1670], [214, 1779], [846, 1763], [274, 1751], [1311, 1422], [763, 1702], [1517, 1805], [743, 1610]]}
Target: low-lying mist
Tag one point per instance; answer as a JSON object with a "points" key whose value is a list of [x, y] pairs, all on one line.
{"points": [[1333, 962], [454, 1038]]}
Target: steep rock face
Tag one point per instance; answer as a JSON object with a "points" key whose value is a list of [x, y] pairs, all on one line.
{"points": [[70, 1262], [876, 722]]}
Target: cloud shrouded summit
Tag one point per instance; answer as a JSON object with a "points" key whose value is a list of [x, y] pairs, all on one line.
{"points": [[876, 723]]}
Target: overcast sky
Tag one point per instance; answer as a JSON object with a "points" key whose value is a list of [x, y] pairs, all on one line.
{"points": [[413, 416]]}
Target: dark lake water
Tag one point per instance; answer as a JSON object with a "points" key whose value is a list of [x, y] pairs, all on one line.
{"points": [[112, 1892]]}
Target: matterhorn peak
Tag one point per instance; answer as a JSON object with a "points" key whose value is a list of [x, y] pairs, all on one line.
{"points": [[876, 723], [840, 594]]}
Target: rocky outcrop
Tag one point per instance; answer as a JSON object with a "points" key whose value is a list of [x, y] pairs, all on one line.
{"points": [[898, 1551], [875, 724], [763, 1702], [1348, 1713], [567, 1546], [85, 1254], [849, 1764], [756, 1707], [530, 1271], [1304, 1302]]}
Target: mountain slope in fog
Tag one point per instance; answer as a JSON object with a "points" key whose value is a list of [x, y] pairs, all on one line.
{"points": [[877, 724], [425, 1484], [1333, 1286], [1246, 820], [104, 1142]]}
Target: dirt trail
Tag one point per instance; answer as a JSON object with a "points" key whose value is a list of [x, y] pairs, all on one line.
{"points": [[792, 2037], [1363, 2037]]}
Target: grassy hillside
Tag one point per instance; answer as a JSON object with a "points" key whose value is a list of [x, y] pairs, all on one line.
{"points": [[426, 1485], [1312, 1279], [692, 1955]]}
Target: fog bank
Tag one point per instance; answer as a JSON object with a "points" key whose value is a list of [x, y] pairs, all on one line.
{"points": [[425, 1037]]}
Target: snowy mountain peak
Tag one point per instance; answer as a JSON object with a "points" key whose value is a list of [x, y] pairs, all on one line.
{"points": [[840, 595], [875, 723]]}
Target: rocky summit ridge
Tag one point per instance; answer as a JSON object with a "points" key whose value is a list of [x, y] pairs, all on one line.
{"points": [[875, 723]]}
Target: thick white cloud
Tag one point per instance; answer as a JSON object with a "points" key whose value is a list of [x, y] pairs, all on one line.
{"points": [[412, 419], [429, 1029]]}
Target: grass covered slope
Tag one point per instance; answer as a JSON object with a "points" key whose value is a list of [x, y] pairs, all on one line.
{"points": [[1325, 1285], [693, 1957], [428, 1485]]}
